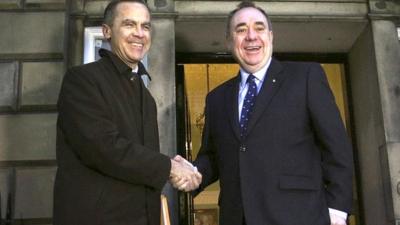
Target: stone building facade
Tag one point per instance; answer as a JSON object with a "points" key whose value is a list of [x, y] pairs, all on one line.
{"points": [[40, 38]]}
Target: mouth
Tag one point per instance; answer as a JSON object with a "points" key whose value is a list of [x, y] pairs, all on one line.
{"points": [[252, 48], [136, 45]]}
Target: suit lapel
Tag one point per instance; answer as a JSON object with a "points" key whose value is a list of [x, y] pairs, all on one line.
{"points": [[273, 80], [231, 104]]}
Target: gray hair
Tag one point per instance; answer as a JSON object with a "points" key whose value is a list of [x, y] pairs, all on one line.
{"points": [[242, 5], [109, 12]]}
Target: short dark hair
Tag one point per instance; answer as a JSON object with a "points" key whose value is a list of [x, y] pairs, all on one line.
{"points": [[242, 5], [109, 12]]}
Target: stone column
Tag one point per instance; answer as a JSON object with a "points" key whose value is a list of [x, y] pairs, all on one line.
{"points": [[75, 16], [161, 65], [387, 55], [368, 128], [384, 15]]}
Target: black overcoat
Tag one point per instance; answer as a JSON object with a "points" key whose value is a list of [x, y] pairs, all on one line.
{"points": [[110, 170]]}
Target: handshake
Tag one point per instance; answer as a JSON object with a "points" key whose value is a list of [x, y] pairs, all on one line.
{"points": [[184, 176]]}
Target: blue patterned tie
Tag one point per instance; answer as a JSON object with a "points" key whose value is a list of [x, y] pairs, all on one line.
{"points": [[248, 104]]}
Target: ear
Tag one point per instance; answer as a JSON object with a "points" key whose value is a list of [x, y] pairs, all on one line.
{"points": [[271, 36], [106, 31]]}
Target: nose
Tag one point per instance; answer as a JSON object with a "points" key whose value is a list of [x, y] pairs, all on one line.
{"points": [[138, 32], [251, 34]]}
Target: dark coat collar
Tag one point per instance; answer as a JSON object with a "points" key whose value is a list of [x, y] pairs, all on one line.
{"points": [[121, 66]]}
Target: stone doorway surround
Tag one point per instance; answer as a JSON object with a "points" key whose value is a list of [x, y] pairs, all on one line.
{"points": [[364, 30]]}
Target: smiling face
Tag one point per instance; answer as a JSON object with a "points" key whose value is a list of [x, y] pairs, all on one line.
{"points": [[129, 33], [250, 39]]}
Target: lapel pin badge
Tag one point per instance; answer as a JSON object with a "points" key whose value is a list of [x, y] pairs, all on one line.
{"points": [[273, 80]]}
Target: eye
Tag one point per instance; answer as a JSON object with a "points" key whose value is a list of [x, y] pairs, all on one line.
{"points": [[147, 27], [260, 28], [129, 24], [241, 30]]}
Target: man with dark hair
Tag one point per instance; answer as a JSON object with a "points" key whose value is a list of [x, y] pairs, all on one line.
{"points": [[273, 136], [110, 169]]}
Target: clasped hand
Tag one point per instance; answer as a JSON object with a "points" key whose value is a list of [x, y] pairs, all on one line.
{"points": [[184, 176]]}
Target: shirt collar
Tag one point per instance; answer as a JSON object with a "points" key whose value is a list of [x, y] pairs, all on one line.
{"points": [[260, 75]]}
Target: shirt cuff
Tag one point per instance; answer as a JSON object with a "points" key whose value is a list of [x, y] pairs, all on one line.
{"points": [[338, 213]]}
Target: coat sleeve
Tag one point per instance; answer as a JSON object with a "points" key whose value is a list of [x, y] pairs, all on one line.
{"points": [[337, 158], [206, 161], [89, 130]]}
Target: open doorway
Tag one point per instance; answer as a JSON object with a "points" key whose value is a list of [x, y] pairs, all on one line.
{"points": [[199, 74]]}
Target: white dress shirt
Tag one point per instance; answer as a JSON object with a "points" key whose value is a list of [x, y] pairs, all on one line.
{"points": [[243, 86]]}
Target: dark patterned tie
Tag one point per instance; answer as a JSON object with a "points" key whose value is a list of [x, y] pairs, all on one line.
{"points": [[248, 104]]}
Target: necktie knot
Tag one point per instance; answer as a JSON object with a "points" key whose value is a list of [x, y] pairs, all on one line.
{"points": [[250, 79], [134, 76]]}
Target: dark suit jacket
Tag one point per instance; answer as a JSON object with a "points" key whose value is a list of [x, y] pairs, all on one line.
{"points": [[296, 160], [110, 170]]}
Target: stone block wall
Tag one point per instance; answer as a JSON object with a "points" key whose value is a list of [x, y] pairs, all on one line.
{"points": [[31, 71]]}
